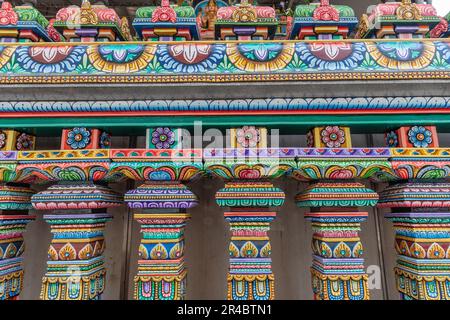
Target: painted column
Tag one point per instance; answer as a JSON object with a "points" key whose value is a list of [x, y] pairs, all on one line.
{"points": [[337, 272], [421, 220], [419, 204], [161, 270], [15, 201], [250, 275], [75, 266], [14, 204]]}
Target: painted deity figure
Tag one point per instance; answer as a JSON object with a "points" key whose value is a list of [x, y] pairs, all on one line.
{"points": [[210, 16]]}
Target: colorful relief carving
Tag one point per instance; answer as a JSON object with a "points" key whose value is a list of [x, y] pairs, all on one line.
{"points": [[247, 61], [442, 30], [13, 140], [248, 163], [75, 266], [321, 21], [14, 205], [25, 24], [244, 21], [404, 20], [162, 215], [250, 275], [422, 236], [338, 271], [412, 137], [166, 23], [248, 137], [157, 164], [164, 138], [329, 137], [85, 138], [247, 106], [89, 23]]}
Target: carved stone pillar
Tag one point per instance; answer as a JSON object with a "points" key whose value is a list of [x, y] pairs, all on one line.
{"points": [[250, 274], [15, 200], [421, 217], [338, 271], [161, 270], [75, 266]]}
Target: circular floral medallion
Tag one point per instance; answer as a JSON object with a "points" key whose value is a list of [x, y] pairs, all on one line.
{"points": [[392, 139], [260, 56], [163, 138], [2, 139], [78, 138], [331, 56], [105, 140], [402, 55], [24, 142], [247, 137], [333, 136], [420, 137], [54, 59], [121, 58], [190, 58]]}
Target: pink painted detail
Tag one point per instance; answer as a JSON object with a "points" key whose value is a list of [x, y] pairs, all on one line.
{"points": [[249, 174], [415, 204], [7, 15], [265, 12], [325, 12], [164, 13], [439, 29], [106, 14], [225, 13], [74, 205], [52, 33], [342, 174], [289, 23], [67, 14], [198, 21], [427, 10], [11, 235], [244, 233]]}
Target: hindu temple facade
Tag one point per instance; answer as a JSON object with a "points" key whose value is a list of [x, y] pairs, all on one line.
{"points": [[224, 150]]}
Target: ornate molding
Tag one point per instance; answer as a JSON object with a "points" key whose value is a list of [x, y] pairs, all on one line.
{"points": [[223, 62], [366, 105]]}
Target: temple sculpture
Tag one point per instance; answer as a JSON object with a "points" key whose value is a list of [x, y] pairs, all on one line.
{"points": [[165, 23], [224, 150]]}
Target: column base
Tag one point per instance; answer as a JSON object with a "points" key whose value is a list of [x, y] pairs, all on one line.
{"points": [[423, 279], [11, 278], [74, 280], [160, 287], [251, 287], [339, 287]]}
